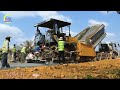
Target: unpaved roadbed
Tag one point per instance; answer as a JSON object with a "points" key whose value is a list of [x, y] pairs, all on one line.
{"points": [[105, 69]]}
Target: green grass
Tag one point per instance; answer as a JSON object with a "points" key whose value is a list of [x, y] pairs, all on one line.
{"points": [[89, 77], [116, 72]]}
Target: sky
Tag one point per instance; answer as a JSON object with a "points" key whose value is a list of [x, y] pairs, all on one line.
{"points": [[22, 23]]}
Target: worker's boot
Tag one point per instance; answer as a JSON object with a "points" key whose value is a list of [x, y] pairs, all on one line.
{"points": [[8, 66], [59, 61], [64, 61]]}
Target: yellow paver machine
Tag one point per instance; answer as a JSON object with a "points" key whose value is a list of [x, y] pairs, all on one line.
{"points": [[78, 48]]}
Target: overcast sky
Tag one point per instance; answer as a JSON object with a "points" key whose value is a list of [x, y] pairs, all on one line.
{"points": [[22, 26]]}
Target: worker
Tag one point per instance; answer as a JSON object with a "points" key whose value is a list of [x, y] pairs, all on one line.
{"points": [[37, 48], [38, 37], [43, 47], [23, 54], [5, 51], [36, 52], [14, 53], [61, 50]]}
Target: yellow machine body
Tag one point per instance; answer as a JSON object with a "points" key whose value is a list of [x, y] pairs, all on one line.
{"points": [[71, 39], [82, 48], [85, 50]]}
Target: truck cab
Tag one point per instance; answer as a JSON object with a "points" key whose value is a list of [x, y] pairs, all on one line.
{"points": [[110, 47]]}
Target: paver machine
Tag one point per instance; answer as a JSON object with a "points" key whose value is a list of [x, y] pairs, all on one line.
{"points": [[55, 30], [78, 48]]}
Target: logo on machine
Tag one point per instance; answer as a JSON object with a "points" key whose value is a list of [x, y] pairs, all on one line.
{"points": [[7, 18]]}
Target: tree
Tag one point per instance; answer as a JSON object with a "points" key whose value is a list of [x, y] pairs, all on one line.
{"points": [[28, 45]]}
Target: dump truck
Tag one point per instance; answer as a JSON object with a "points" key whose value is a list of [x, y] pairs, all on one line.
{"points": [[91, 36], [108, 50], [79, 48]]}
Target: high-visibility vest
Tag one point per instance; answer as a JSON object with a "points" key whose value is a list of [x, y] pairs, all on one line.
{"points": [[13, 49], [23, 50], [60, 45], [5, 46]]}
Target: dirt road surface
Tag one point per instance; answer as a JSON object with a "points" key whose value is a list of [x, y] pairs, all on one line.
{"points": [[104, 69]]}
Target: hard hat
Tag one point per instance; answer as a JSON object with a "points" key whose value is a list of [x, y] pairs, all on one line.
{"points": [[37, 52], [8, 37], [61, 38]]}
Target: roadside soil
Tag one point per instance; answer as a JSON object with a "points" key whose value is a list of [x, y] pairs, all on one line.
{"points": [[104, 69]]}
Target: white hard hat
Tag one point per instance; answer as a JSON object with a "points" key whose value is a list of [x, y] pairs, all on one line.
{"points": [[61, 38], [37, 52]]}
